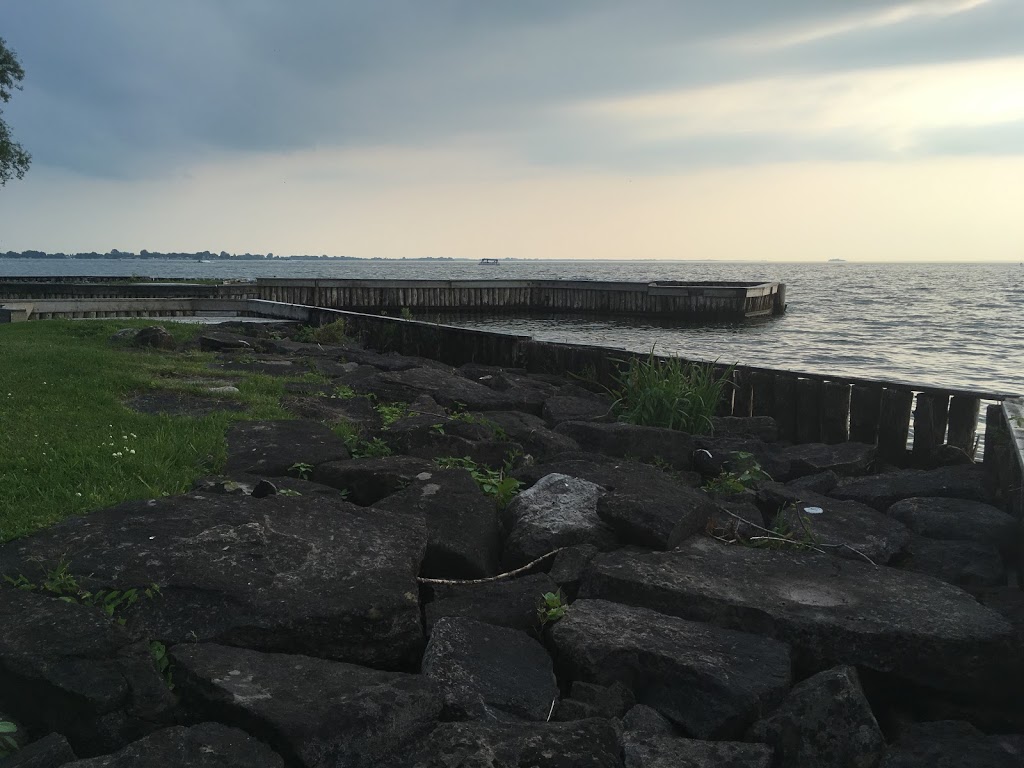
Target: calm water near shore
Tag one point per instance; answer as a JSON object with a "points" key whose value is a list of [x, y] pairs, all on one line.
{"points": [[942, 324]]}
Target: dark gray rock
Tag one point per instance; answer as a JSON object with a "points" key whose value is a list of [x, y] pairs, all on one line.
{"points": [[359, 411], [661, 516], [268, 365], [508, 603], [845, 528], [531, 432], [822, 482], [882, 491], [632, 440], [51, 751], [370, 480], [463, 529], [950, 744], [322, 713], [155, 336], [590, 743], [275, 448], [825, 722], [968, 564], [66, 667], [568, 566], [643, 750], [845, 459], [487, 672], [447, 388], [761, 428], [303, 574], [558, 511], [948, 456], [592, 700], [832, 611], [217, 341], [647, 720], [181, 403], [608, 472], [957, 519], [709, 681], [561, 408], [429, 437], [207, 745]]}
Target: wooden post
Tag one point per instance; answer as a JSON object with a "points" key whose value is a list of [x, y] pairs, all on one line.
{"points": [[835, 412], [743, 399], [865, 401], [995, 433], [963, 422], [785, 406], [808, 411], [762, 389], [929, 424], [894, 424], [725, 405]]}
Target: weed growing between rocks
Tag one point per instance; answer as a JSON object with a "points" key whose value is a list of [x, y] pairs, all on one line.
{"points": [[669, 393], [553, 606], [494, 482], [301, 470], [8, 744], [391, 412], [331, 333], [744, 474]]}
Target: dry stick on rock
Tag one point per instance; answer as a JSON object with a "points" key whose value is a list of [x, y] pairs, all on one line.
{"points": [[772, 536], [500, 576]]}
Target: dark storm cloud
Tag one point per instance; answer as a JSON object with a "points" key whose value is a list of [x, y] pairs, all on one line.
{"points": [[122, 88]]}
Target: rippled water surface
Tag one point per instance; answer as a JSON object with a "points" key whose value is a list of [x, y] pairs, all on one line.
{"points": [[942, 324]]}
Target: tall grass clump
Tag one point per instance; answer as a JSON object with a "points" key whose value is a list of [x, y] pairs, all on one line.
{"points": [[669, 393]]}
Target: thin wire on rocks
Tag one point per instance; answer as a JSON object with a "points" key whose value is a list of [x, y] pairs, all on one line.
{"points": [[500, 576]]}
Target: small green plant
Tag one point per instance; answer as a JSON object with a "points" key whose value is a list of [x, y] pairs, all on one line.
{"points": [[302, 470], [163, 664], [494, 482], [405, 314], [669, 393], [330, 333], [8, 744], [745, 473], [552, 607], [344, 392], [370, 449], [437, 428], [392, 412], [304, 335], [287, 492]]}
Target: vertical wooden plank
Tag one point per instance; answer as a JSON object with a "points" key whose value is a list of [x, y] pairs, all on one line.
{"points": [[835, 412], [963, 422], [742, 398], [894, 425], [785, 406], [995, 432], [865, 402], [762, 387], [725, 405], [808, 411], [929, 424]]}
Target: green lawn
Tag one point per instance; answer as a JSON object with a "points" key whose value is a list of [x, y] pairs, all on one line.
{"points": [[67, 443]]}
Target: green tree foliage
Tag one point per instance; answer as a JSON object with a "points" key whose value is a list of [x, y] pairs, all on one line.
{"points": [[14, 160]]}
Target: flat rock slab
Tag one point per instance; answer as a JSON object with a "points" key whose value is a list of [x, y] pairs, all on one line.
{"points": [[217, 341], [633, 440], [325, 713], [660, 515], [558, 511], [369, 480], [561, 408], [825, 722], [67, 667], [957, 519], [832, 611], [531, 432], [463, 529], [845, 528], [882, 491], [304, 574], [275, 448], [448, 389], [507, 603], [181, 404], [207, 745], [486, 672], [711, 682], [951, 744], [590, 743], [645, 750], [968, 564], [845, 459]]}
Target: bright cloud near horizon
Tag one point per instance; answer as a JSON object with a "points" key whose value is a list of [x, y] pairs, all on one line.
{"points": [[664, 129]]}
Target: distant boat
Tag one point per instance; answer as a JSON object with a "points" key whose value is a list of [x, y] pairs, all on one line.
{"points": [[488, 262], [837, 261]]}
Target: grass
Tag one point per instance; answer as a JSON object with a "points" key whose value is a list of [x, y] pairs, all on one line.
{"points": [[69, 445], [669, 393]]}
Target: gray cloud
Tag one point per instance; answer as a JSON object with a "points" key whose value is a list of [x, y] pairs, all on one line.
{"points": [[120, 88]]}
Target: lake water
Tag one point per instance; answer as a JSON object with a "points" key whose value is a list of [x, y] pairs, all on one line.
{"points": [[958, 325]]}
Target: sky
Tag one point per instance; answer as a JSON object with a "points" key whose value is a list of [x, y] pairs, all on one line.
{"points": [[788, 130]]}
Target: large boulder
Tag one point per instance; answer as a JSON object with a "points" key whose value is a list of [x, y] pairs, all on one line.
{"points": [[882, 491], [558, 511], [69, 668], [463, 529], [207, 745], [660, 516], [51, 751], [154, 336], [369, 480], [531, 432], [632, 440], [577, 407], [429, 436], [709, 681], [832, 611], [275, 448], [325, 713], [505, 602], [968, 564], [952, 744], [302, 574], [957, 519], [825, 722], [644, 750], [486, 672], [591, 743], [447, 388], [845, 459]]}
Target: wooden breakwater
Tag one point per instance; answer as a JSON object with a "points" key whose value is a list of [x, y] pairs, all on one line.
{"points": [[694, 301]]}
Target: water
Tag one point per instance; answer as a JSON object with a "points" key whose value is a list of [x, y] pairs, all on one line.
{"points": [[955, 325]]}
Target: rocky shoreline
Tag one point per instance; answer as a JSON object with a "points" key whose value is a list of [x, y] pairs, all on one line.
{"points": [[373, 601]]}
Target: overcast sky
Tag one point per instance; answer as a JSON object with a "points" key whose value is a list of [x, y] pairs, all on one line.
{"points": [[781, 129]]}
